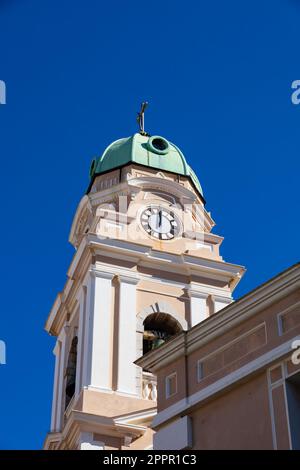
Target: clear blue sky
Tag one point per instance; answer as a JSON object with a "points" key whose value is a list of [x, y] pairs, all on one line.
{"points": [[218, 78]]}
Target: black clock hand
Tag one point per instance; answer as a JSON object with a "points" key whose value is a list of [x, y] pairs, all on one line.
{"points": [[159, 219]]}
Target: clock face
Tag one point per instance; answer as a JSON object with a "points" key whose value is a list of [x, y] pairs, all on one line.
{"points": [[160, 223]]}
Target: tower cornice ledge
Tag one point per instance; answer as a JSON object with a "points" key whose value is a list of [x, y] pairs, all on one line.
{"points": [[111, 426], [142, 256]]}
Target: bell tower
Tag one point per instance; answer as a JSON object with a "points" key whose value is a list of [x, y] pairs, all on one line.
{"points": [[146, 266]]}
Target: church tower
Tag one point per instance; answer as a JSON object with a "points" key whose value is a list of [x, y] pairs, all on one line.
{"points": [[146, 267]]}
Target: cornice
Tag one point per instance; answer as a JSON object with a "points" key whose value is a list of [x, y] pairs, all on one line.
{"points": [[188, 263], [102, 424], [128, 278], [116, 245], [51, 437], [223, 266], [196, 292], [222, 298], [53, 312], [213, 238], [202, 289], [205, 237], [104, 274], [109, 272]]}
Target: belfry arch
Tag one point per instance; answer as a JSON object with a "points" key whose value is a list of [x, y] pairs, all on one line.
{"points": [[158, 328], [162, 321], [160, 307]]}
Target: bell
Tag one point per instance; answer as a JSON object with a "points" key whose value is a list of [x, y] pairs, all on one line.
{"points": [[157, 342]]}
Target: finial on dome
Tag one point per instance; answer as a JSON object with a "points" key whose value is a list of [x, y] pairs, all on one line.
{"points": [[140, 118]]}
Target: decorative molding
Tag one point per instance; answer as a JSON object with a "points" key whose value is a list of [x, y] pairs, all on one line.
{"points": [[195, 288], [95, 388], [222, 298], [128, 278], [194, 292], [164, 185], [123, 274], [102, 274], [82, 215]]}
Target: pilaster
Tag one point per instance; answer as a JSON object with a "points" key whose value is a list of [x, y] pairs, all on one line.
{"points": [[198, 305], [127, 354], [98, 348]]}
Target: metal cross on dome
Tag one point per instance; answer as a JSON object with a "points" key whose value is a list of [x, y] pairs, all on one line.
{"points": [[140, 118]]}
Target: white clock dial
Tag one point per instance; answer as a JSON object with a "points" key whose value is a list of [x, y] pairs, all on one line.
{"points": [[160, 223]]}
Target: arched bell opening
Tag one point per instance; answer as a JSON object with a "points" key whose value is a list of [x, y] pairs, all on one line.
{"points": [[158, 328], [71, 372]]}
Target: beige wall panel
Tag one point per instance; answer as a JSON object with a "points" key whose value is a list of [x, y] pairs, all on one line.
{"points": [[238, 417], [145, 299], [273, 339], [107, 404]]}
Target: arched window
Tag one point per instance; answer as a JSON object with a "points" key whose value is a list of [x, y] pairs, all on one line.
{"points": [[158, 327], [71, 372]]}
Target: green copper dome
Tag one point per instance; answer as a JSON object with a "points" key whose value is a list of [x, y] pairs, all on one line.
{"points": [[155, 152]]}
